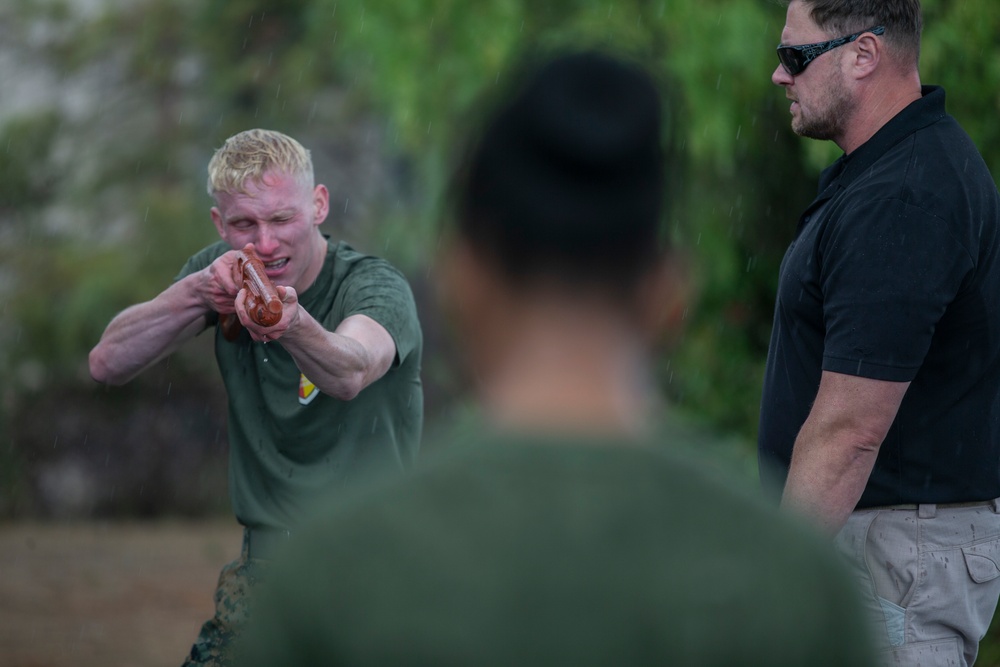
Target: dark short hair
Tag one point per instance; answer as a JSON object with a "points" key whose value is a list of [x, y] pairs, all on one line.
{"points": [[566, 178], [902, 20]]}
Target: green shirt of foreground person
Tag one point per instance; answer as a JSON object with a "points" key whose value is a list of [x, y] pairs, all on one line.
{"points": [[547, 551], [562, 532]]}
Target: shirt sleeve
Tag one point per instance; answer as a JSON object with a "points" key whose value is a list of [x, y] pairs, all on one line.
{"points": [[376, 289], [889, 272]]}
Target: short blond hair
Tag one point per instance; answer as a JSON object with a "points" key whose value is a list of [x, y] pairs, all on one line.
{"points": [[249, 155]]}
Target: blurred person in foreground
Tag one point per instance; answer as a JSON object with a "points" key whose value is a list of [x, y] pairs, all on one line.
{"points": [[880, 417], [328, 394], [562, 532]]}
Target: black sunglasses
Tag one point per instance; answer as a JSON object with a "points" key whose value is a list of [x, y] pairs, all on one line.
{"points": [[795, 58]]}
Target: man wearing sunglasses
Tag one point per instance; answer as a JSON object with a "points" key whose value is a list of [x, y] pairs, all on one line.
{"points": [[880, 416]]}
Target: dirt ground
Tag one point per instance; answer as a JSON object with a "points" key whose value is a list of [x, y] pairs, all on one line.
{"points": [[117, 594], [128, 594]]}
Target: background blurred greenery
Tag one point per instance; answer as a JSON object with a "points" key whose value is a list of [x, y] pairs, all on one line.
{"points": [[113, 109]]}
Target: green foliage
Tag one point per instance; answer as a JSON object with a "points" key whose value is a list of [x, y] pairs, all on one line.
{"points": [[26, 179], [960, 51], [188, 74]]}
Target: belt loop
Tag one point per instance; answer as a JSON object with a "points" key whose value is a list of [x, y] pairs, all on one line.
{"points": [[995, 505], [926, 510]]}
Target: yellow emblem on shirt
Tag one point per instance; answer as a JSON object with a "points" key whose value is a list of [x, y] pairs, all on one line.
{"points": [[307, 390]]}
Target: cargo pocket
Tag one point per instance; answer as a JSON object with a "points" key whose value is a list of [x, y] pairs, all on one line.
{"points": [[982, 559]]}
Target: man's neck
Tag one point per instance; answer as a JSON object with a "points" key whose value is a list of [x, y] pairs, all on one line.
{"points": [[878, 104], [572, 371]]}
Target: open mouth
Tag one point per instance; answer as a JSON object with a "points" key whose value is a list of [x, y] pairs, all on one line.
{"points": [[276, 265]]}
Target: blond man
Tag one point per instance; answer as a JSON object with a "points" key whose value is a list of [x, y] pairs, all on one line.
{"points": [[329, 392]]}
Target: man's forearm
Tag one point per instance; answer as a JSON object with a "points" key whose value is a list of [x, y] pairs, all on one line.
{"points": [[826, 479], [337, 365], [144, 333], [838, 444], [343, 362]]}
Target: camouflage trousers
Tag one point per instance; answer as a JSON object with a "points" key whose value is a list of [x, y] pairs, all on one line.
{"points": [[233, 594]]}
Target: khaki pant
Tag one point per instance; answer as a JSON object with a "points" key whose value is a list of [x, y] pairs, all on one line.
{"points": [[930, 578]]}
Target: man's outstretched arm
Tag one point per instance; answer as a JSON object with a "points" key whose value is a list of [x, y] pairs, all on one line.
{"points": [[142, 334]]}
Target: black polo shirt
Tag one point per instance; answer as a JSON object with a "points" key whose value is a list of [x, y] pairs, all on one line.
{"points": [[894, 275]]}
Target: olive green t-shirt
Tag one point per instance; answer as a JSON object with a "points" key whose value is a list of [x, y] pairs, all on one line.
{"points": [[289, 441], [544, 551]]}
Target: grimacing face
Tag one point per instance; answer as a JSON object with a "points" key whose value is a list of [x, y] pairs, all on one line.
{"points": [[280, 215]]}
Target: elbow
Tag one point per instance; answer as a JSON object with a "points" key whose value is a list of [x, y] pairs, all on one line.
{"points": [[100, 370], [348, 388], [867, 443]]}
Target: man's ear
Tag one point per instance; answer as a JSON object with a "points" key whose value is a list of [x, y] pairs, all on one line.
{"points": [[664, 298], [866, 55], [321, 203], [461, 286], [471, 296]]}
